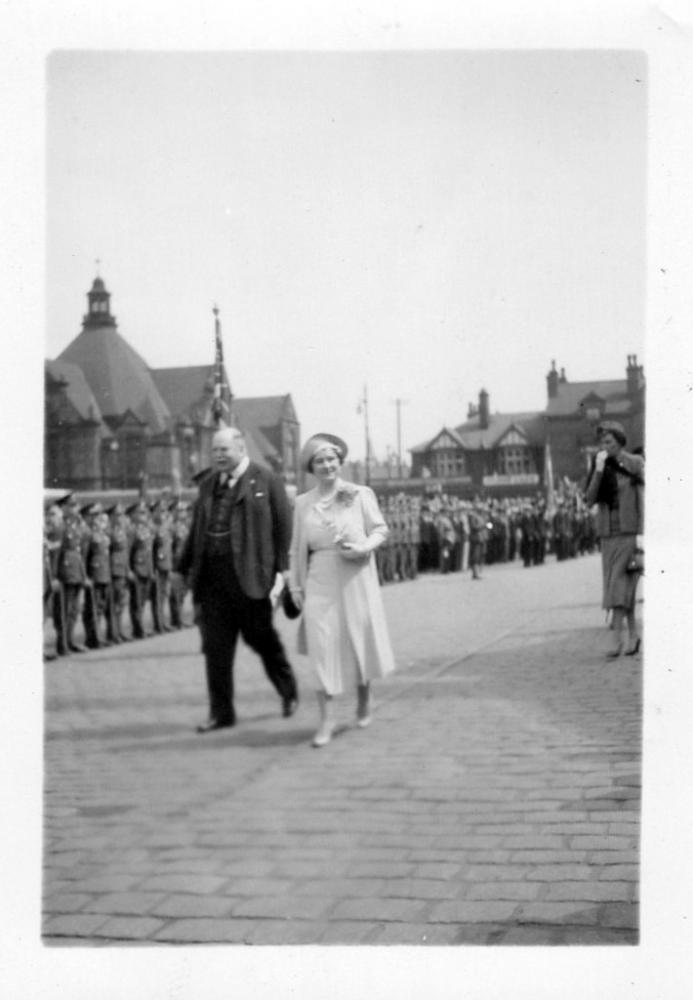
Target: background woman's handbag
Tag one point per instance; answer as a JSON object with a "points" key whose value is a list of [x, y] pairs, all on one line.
{"points": [[636, 563], [290, 609]]}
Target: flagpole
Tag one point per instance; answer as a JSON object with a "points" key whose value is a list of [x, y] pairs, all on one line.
{"points": [[368, 436]]}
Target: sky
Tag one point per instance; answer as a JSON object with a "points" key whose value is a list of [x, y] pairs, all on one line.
{"points": [[422, 223]]}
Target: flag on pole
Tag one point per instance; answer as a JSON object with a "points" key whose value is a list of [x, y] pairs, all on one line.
{"points": [[548, 477], [221, 400]]}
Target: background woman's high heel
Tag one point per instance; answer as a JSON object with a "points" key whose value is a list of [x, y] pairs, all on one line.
{"points": [[635, 648], [613, 654]]}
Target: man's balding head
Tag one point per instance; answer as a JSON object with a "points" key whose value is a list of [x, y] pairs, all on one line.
{"points": [[228, 448]]}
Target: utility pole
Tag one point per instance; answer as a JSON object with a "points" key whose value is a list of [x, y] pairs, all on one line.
{"points": [[363, 408], [398, 404]]}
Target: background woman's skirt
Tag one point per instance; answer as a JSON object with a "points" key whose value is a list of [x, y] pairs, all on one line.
{"points": [[620, 586]]}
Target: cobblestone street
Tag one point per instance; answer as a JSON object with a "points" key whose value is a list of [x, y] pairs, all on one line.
{"points": [[494, 800]]}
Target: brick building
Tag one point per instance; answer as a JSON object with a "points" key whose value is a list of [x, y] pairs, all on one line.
{"points": [[516, 453], [111, 422]]}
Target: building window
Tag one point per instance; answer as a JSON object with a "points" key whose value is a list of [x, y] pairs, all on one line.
{"points": [[515, 461], [447, 464]]}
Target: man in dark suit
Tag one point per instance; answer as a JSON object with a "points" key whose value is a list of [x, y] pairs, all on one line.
{"points": [[238, 543]]}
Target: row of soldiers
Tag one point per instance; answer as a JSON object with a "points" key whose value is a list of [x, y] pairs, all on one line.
{"points": [[106, 567], [446, 534]]}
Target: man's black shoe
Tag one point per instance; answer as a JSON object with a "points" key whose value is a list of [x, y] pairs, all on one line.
{"points": [[289, 706], [75, 647], [212, 724]]}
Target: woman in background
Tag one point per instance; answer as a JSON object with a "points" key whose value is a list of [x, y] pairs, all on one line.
{"points": [[616, 484], [333, 578]]}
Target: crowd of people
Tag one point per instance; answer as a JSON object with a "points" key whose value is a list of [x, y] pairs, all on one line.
{"points": [[111, 574], [108, 574], [445, 534]]}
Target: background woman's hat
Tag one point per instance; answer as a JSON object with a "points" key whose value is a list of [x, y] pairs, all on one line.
{"points": [[318, 441]]}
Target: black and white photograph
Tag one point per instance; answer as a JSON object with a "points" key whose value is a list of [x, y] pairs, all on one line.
{"points": [[348, 353]]}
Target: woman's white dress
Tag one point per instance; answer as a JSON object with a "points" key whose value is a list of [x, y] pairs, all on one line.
{"points": [[343, 627]]}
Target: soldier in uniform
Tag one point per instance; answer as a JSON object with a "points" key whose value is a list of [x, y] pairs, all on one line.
{"points": [[179, 532], [89, 514], [71, 571], [141, 567], [478, 534], [120, 570], [413, 536], [446, 539], [162, 558], [52, 588], [97, 562]]}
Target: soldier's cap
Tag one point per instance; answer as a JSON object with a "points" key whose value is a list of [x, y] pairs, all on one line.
{"points": [[140, 507], [91, 508], [116, 508], [180, 505], [69, 500], [53, 498]]}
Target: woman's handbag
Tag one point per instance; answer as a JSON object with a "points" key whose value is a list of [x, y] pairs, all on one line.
{"points": [[291, 610], [636, 563]]}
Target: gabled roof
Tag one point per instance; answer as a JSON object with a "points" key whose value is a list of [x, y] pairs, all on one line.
{"points": [[571, 394], [183, 388], [118, 376], [77, 389], [263, 411], [474, 437]]}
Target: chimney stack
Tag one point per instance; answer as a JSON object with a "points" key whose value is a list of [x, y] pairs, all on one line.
{"points": [[635, 378], [483, 410], [552, 381]]}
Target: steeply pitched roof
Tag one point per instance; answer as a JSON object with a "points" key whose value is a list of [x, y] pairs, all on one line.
{"points": [[570, 395], [117, 375], [473, 437], [182, 388], [263, 411], [77, 389]]}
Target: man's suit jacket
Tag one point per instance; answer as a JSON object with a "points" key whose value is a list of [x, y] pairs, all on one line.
{"points": [[260, 531]]}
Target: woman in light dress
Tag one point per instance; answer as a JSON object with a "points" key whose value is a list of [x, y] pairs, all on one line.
{"points": [[333, 578]]}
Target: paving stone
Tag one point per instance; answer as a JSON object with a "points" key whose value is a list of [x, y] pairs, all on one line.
{"points": [[380, 869], [341, 888], [556, 913], [620, 915], [135, 903], [379, 909], [437, 870], [284, 907], [205, 931], [191, 905], [472, 911], [203, 884], [502, 891], [595, 891], [284, 932], [122, 928], [109, 883], [79, 924], [417, 934], [65, 902]]}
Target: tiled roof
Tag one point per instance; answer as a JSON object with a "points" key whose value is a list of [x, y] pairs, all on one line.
{"points": [[263, 411], [571, 394], [117, 375], [473, 437], [77, 389], [182, 388]]}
